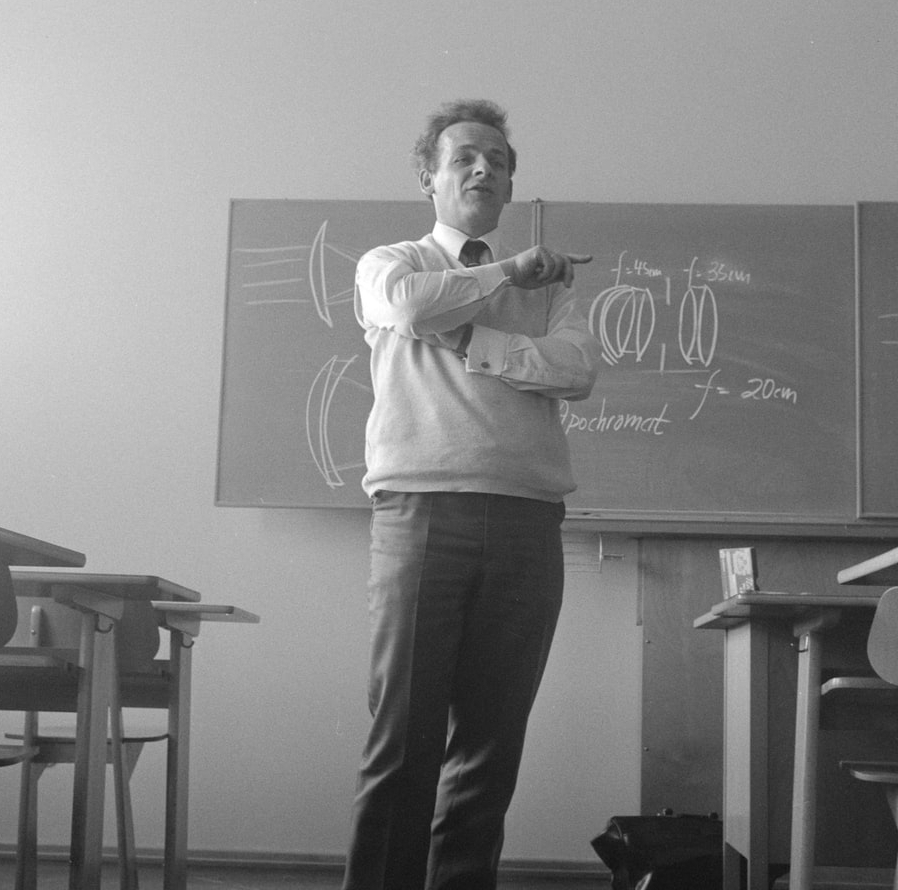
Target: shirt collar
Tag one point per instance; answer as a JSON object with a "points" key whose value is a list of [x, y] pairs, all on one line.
{"points": [[452, 240]]}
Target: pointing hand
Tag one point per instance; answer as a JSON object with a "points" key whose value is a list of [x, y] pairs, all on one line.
{"points": [[540, 266]]}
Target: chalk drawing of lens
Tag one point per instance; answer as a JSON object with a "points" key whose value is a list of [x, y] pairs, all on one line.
{"points": [[626, 321], [298, 273], [318, 276], [334, 393], [698, 323]]}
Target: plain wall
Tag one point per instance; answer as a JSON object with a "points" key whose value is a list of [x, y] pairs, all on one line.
{"points": [[127, 127]]}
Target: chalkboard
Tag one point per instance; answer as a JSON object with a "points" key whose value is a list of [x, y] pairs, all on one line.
{"points": [[878, 358], [727, 386]]}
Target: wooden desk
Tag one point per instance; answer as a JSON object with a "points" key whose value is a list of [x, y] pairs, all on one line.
{"points": [[100, 598], [771, 718], [177, 610]]}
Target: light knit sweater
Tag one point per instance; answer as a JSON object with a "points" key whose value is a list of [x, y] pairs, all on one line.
{"points": [[485, 423]]}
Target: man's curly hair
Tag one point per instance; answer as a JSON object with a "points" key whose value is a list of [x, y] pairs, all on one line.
{"points": [[425, 154]]}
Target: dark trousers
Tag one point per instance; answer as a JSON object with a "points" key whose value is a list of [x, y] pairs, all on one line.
{"points": [[464, 596]]}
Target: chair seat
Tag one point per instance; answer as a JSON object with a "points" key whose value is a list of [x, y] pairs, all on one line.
{"points": [[849, 702], [65, 735], [873, 685], [57, 745], [11, 754]]}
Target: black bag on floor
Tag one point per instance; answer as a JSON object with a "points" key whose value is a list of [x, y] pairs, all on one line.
{"points": [[664, 852]]}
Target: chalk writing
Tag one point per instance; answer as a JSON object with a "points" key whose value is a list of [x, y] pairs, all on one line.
{"points": [[722, 272], [767, 388], [626, 318], [706, 389], [605, 422]]}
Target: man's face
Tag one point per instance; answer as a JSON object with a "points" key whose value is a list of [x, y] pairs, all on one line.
{"points": [[471, 183]]}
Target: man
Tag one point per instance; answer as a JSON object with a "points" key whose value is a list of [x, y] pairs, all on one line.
{"points": [[467, 468]]}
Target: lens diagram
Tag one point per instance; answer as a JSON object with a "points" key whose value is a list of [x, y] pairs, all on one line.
{"points": [[698, 322], [318, 278], [273, 273], [334, 378], [624, 318]]}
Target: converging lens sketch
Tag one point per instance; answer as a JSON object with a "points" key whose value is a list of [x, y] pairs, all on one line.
{"points": [[273, 270], [318, 408], [320, 274], [623, 318]]}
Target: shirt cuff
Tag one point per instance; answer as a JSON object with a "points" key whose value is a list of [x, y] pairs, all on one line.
{"points": [[490, 277], [486, 352]]}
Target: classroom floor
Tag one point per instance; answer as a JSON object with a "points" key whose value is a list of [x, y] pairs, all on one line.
{"points": [[54, 876]]}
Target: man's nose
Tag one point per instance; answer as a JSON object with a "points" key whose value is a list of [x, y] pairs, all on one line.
{"points": [[483, 167]]}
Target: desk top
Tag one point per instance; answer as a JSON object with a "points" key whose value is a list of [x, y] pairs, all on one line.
{"points": [[882, 569], [783, 606], [20, 550], [134, 587]]}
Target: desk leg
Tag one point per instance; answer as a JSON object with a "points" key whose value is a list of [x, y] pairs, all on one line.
{"points": [[178, 768], [90, 756], [745, 792], [807, 725]]}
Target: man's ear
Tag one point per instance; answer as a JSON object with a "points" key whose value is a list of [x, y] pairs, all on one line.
{"points": [[510, 188], [425, 181]]}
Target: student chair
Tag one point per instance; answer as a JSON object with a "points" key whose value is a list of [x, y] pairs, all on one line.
{"points": [[51, 624], [9, 617], [860, 699], [71, 673], [882, 651]]}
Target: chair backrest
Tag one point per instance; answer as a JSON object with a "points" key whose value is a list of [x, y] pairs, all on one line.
{"points": [[882, 643], [46, 623]]}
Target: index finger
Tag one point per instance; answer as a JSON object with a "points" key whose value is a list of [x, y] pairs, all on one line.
{"points": [[579, 257]]}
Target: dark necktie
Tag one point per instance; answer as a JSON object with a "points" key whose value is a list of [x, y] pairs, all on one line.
{"points": [[472, 253]]}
